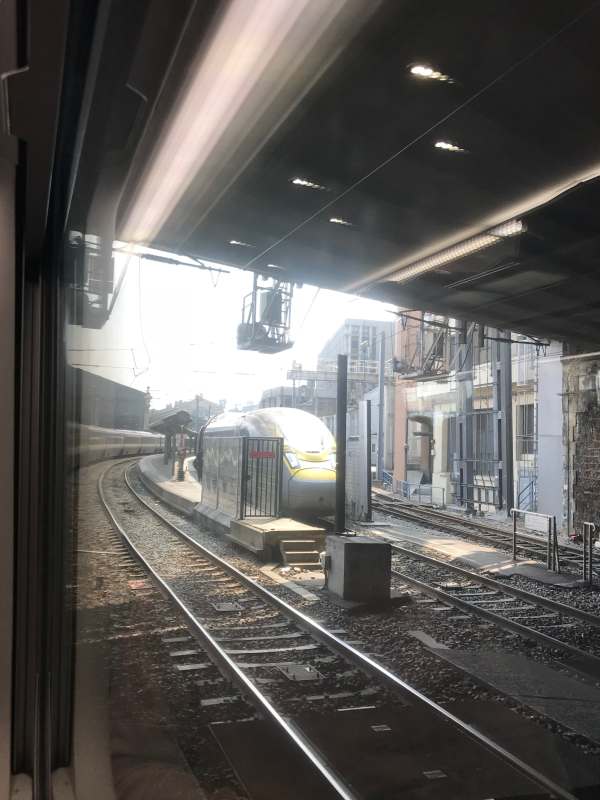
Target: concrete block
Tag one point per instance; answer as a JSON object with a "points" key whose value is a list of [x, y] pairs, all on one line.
{"points": [[264, 535], [360, 568]]}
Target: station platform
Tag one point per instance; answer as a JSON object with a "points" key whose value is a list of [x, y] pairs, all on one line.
{"points": [[266, 537], [482, 557], [159, 478]]}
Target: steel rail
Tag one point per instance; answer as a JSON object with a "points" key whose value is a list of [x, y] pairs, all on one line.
{"points": [[498, 619], [521, 594], [421, 515], [485, 530], [364, 661], [465, 526], [225, 663]]}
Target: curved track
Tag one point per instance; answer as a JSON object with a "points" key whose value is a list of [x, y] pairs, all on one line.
{"points": [[259, 612]]}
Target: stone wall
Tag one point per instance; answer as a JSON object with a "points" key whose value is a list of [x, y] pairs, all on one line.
{"points": [[581, 437], [586, 461]]}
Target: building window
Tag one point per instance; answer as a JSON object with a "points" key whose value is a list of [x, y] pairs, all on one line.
{"points": [[484, 436], [450, 443], [525, 430]]}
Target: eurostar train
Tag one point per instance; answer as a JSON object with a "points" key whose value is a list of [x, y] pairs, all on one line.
{"points": [[88, 444], [308, 468]]}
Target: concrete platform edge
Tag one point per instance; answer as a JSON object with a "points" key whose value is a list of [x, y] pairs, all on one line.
{"points": [[210, 518], [175, 501]]}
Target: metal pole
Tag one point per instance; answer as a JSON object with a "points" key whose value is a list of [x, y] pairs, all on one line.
{"points": [[590, 545], [181, 458], [514, 516], [340, 444], [506, 415], [549, 548], [464, 420], [368, 446], [555, 546], [381, 424], [585, 551], [244, 481]]}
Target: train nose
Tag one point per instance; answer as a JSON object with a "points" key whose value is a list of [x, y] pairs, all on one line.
{"points": [[312, 490]]}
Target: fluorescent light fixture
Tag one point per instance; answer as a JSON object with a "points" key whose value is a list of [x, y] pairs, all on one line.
{"points": [[453, 148], [308, 184], [424, 71], [475, 243], [236, 243], [261, 59], [274, 266], [340, 221]]}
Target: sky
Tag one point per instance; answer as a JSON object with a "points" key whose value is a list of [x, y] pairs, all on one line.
{"points": [[173, 330]]}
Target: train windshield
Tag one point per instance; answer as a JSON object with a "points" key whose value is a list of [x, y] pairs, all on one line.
{"points": [[303, 431]]}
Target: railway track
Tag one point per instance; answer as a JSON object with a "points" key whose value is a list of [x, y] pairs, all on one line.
{"points": [[528, 544], [555, 625], [249, 634]]}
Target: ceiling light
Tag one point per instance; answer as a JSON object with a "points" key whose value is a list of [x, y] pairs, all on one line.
{"points": [[240, 244], [423, 71], [453, 148], [475, 243], [234, 98], [275, 266], [307, 184], [340, 221]]}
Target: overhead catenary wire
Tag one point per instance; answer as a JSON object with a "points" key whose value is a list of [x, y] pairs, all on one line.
{"points": [[309, 309]]}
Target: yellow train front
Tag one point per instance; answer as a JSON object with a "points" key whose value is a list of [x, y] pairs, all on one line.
{"points": [[308, 469]]}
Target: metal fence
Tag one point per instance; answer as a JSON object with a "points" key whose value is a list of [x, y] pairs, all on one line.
{"points": [[261, 476], [423, 494], [544, 523]]}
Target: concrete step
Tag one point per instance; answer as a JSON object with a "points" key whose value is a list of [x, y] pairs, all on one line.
{"points": [[294, 559], [297, 544], [300, 553]]}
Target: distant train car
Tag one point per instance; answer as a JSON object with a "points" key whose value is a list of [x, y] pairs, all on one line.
{"points": [[308, 469], [89, 444]]}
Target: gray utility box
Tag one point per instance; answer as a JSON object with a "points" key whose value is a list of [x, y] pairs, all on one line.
{"points": [[359, 568]]}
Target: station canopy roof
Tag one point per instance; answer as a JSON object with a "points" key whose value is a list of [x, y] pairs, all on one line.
{"points": [[436, 156], [171, 422]]}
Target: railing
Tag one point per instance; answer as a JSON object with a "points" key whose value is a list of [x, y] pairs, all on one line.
{"points": [[526, 497], [360, 366], [260, 489], [589, 531], [421, 493], [483, 495], [544, 523], [388, 480]]}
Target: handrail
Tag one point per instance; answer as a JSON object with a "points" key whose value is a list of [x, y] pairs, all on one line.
{"points": [[552, 555], [409, 495], [528, 488], [589, 529]]}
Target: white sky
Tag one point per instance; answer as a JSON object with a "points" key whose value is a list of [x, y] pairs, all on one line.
{"points": [[174, 330]]}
